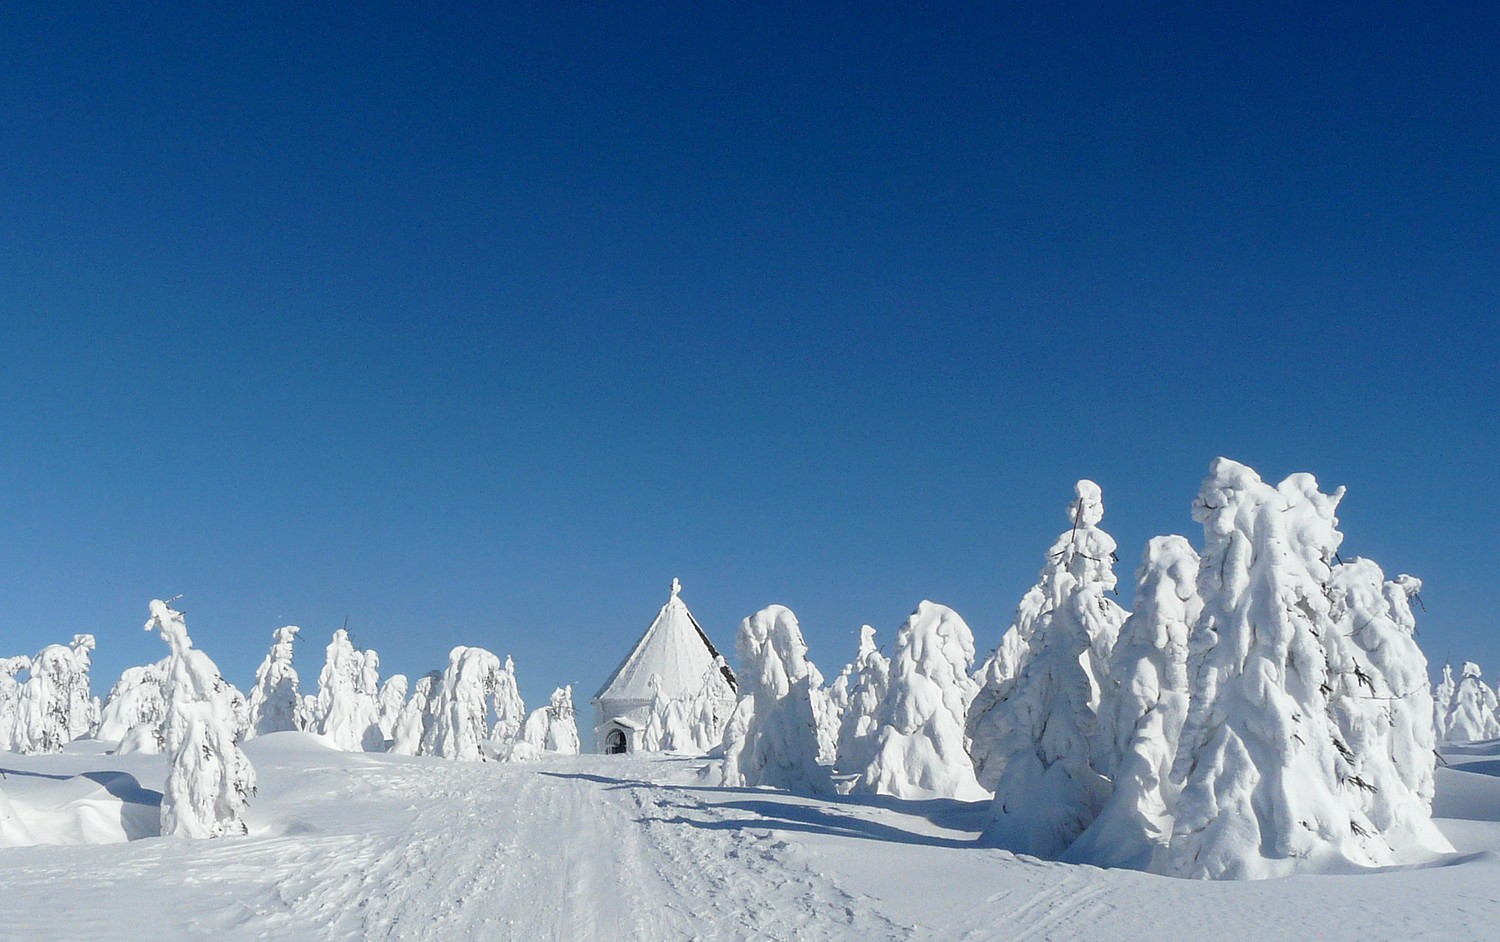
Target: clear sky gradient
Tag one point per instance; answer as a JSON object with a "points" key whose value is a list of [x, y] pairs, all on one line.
{"points": [[479, 324]]}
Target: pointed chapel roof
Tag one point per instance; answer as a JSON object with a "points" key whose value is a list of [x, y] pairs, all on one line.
{"points": [[675, 648]]}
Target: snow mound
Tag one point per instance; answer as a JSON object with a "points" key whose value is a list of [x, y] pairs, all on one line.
{"points": [[106, 807]]}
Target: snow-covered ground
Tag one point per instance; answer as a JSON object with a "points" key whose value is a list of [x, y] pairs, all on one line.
{"points": [[377, 846]]}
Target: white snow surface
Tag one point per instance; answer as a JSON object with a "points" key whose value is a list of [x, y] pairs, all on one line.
{"points": [[363, 846]]}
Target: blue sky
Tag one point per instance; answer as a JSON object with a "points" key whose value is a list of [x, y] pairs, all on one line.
{"points": [[478, 325]]}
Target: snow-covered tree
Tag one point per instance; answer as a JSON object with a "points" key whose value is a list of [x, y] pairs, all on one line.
{"points": [[348, 713], [136, 702], [1142, 710], [919, 739], [562, 728], [869, 680], [677, 733], [210, 780], [392, 698], [510, 709], [10, 698], [1472, 715], [1037, 739], [1381, 706], [306, 714], [656, 716], [273, 700], [54, 706], [1442, 702], [83, 710], [462, 713], [780, 739], [1257, 756], [1078, 575], [713, 704], [552, 728], [828, 716], [999, 669], [418, 715]]}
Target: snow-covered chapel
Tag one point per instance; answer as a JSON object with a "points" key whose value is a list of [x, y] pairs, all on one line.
{"points": [[676, 652]]}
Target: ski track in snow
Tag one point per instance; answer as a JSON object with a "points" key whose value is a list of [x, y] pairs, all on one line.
{"points": [[564, 850]]}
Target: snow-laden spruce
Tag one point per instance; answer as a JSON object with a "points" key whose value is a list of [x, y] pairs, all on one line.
{"points": [[461, 711], [1257, 755], [656, 716], [1078, 571], [274, 698], [695, 720], [773, 737], [550, 729], [392, 698], [1141, 712], [54, 706], [828, 717], [83, 709], [1471, 716], [1038, 738], [1382, 705], [918, 750], [510, 709], [414, 723], [133, 712], [348, 712], [869, 679], [10, 698], [209, 781], [1442, 702]]}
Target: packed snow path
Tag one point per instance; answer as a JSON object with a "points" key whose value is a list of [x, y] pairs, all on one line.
{"points": [[349, 846]]}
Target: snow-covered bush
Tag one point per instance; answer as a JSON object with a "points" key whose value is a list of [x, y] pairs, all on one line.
{"points": [[919, 739], [414, 723], [273, 700], [1037, 739], [779, 745], [210, 780], [136, 701], [1472, 715], [1258, 756], [868, 681], [347, 712], [461, 714], [1078, 574], [10, 698], [1142, 710], [1381, 706]]}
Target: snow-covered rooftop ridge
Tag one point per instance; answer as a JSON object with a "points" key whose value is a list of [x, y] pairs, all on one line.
{"points": [[674, 647]]}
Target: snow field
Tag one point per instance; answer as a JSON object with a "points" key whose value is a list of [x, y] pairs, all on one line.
{"points": [[347, 846]]}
